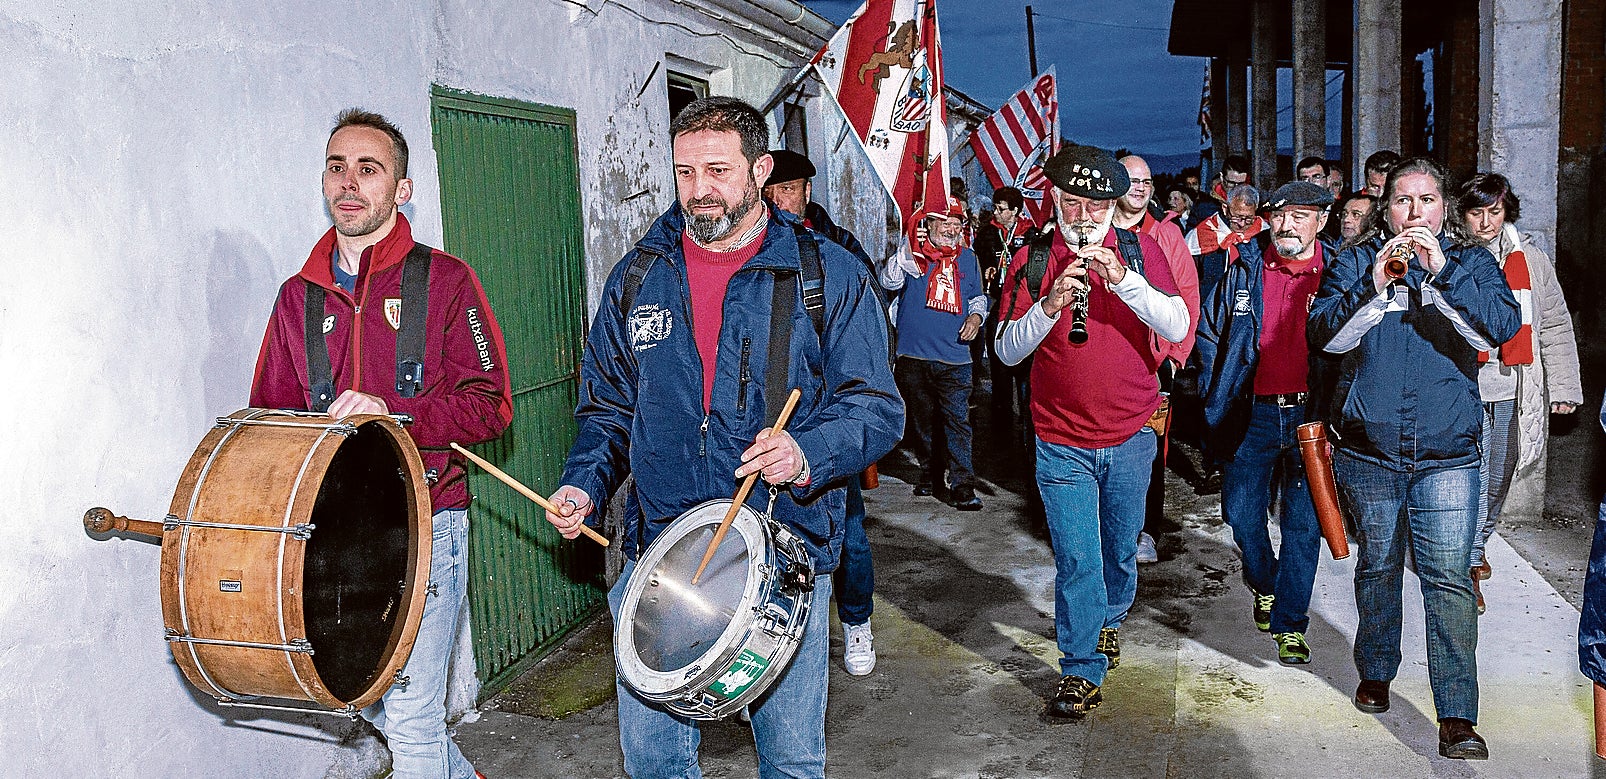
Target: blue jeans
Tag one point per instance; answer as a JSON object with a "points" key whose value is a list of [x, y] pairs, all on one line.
{"points": [[1434, 511], [413, 719], [788, 719], [1094, 501], [1499, 465], [937, 393], [854, 579], [1246, 493]]}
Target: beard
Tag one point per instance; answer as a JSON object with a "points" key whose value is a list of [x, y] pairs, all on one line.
{"points": [[1289, 246], [708, 229], [372, 221], [1088, 229]]}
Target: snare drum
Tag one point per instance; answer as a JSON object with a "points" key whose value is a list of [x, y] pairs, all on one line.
{"points": [[707, 650], [295, 558]]}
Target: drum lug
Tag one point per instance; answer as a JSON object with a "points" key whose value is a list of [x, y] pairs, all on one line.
{"points": [[170, 522], [400, 681], [433, 589]]}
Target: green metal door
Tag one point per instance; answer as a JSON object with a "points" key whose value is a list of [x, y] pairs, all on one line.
{"points": [[510, 203]]}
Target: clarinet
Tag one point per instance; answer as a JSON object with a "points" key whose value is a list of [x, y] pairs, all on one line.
{"points": [[1078, 333]]}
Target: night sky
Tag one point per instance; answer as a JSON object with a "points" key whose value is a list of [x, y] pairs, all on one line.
{"points": [[1118, 85]]}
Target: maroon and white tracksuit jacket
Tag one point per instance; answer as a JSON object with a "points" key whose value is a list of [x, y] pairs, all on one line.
{"points": [[466, 396]]}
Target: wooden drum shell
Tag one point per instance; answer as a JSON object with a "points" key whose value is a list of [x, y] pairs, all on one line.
{"points": [[243, 586]]}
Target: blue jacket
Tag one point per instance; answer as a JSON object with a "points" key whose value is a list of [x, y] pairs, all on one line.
{"points": [[1406, 396], [1592, 622], [641, 411], [1227, 349]]}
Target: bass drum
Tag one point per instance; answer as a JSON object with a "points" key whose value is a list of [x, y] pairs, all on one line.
{"points": [[295, 558], [706, 650]]}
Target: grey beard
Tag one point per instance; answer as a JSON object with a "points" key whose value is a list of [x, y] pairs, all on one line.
{"points": [[706, 229]]}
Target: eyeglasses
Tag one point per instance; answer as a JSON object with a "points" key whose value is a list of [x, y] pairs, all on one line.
{"points": [[1142, 182], [1240, 219]]}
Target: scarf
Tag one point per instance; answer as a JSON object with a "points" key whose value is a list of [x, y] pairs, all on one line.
{"points": [[1520, 349], [941, 266], [1216, 235]]}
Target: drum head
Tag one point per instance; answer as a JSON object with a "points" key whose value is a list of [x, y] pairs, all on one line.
{"points": [[356, 561], [666, 622]]}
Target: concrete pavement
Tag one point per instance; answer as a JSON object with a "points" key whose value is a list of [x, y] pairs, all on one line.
{"points": [[964, 625]]}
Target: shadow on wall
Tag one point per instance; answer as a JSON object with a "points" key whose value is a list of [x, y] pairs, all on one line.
{"points": [[238, 267]]}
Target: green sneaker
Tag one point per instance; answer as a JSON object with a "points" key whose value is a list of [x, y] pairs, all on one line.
{"points": [[1291, 648], [1262, 611], [1110, 645]]}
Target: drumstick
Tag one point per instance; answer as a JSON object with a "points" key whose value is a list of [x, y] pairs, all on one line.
{"points": [[747, 486], [525, 491]]}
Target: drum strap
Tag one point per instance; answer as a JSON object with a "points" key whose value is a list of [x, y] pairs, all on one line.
{"points": [[783, 304], [415, 310], [409, 337]]}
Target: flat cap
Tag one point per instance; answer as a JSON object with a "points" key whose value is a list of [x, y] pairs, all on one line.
{"points": [[1088, 171], [789, 166], [1299, 193]]}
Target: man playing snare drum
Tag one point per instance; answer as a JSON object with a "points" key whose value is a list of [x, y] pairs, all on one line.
{"points": [[395, 340], [677, 387]]}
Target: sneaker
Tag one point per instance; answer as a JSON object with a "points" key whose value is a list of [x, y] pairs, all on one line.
{"points": [[1110, 645], [1146, 551], [859, 657], [1291, 648], [1074, 698], [1262, 611]]}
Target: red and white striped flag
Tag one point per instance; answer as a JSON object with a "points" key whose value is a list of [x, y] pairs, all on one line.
{"points": [[1014, 142], [884, 69], [1204, 111]]}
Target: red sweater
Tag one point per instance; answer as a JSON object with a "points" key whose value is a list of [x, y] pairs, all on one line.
{"points": [[466, 397], [1286, 292], [708, 275], [1099, 393]]}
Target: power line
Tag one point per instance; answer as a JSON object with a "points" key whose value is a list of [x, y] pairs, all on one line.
{"points": [[1101, 24]]}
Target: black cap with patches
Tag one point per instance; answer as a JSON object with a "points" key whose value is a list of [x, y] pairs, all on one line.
{"points": [[789, 166], [1299, 193], [1088, 171]]}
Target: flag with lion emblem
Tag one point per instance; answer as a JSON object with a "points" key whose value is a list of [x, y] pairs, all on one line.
{"points": [[884, 69]]}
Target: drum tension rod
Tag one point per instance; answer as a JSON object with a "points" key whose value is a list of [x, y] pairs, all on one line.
{"points": [[300, 532], [339, 428], [349, 711], [299, 645]]}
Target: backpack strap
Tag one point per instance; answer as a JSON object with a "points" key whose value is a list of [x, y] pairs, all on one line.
{"points": [[813, 276], [320, 377], [1030, 273], [414, 312], [1131, 251], [640, 262], [783, 302]]}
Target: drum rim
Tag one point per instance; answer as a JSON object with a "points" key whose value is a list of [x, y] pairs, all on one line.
{"points": [[675, 683]]}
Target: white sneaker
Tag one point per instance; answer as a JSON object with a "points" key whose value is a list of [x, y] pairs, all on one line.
{"points": [[859, 657], [1146, 550]]}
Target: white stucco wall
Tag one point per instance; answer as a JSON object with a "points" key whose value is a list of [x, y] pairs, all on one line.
{"points": [[158, 179]]}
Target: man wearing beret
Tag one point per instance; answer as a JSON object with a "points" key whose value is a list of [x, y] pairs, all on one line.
{"points": [[1256, 375], [940, 309], [790, 189], [1092, 399]]}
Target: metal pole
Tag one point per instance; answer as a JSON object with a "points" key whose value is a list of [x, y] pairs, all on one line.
{"points": [[1031, 40]]}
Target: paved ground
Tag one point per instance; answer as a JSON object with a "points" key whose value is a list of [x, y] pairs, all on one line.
{"points": [[964, 632]]}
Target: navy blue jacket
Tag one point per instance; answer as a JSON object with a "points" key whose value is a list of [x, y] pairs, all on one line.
{"points": [[641, 411], [1592, 622], [1227, 349], [1406, 397]]}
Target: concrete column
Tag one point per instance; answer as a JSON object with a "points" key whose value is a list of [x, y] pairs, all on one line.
{"points": [[1375, 71], [1521, 109], [1263, 89], [1521, 105], [1310, 79], [1237, 109]]}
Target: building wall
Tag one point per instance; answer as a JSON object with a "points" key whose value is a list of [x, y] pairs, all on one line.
{"points": [[1581, 187], [160, 165]]}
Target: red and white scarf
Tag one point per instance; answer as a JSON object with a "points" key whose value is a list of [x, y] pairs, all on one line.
{"points": [[1215, 234], [941, 266], [1520, 349]]}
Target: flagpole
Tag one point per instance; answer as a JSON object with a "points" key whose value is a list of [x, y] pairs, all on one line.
{"points": [[1031, 40]]}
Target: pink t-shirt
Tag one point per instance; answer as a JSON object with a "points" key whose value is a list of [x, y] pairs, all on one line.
{"points": [[708, 274], [1287, 290], [1099, 393]]}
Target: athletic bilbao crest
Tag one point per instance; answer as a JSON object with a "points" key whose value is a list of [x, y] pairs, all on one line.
{"points": [[913, 106], [393, 312]]}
